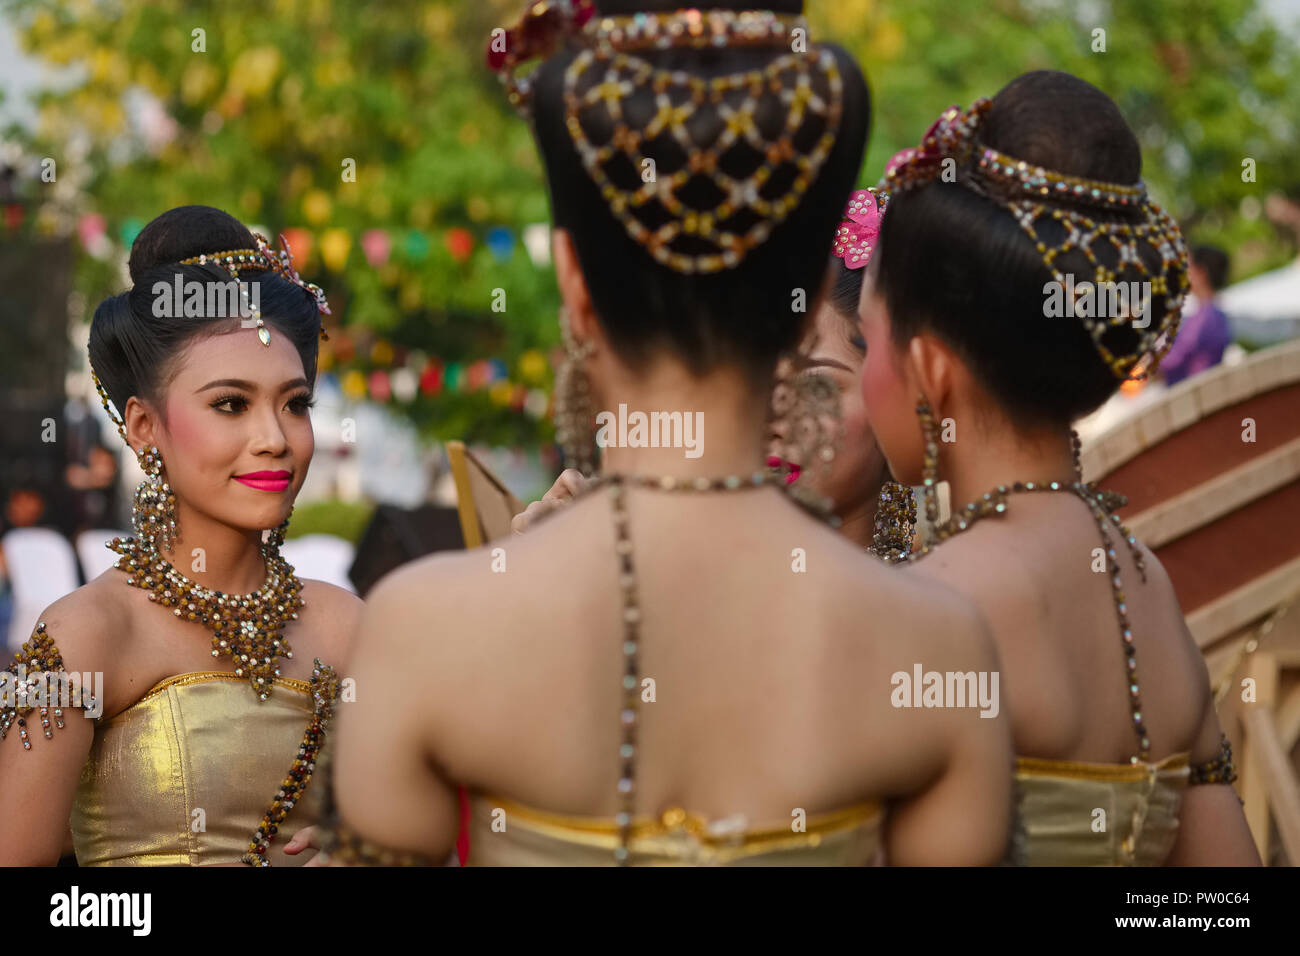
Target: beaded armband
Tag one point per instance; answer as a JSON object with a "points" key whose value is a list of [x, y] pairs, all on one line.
{"points": [[37, 681], [1219, 770]]}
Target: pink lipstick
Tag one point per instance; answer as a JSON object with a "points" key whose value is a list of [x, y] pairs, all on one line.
{"points": [[265, 480]]}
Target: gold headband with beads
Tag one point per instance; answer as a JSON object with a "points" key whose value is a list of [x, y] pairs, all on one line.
{"points": [[1037, 196], [753, 177], [262, 259]]}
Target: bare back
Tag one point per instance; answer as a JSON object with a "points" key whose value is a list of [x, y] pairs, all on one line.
{"points": [[1043, 587], [772, 686]]}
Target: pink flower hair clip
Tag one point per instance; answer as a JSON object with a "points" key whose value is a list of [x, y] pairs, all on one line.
{"points": [[859, 232]]}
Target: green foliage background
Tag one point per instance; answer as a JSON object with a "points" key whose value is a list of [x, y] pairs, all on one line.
{"points": [[287, 89]]}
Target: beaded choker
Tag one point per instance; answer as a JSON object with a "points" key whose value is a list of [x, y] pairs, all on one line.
{"points": [[1123, 234], [247, 628], [696, 170]]}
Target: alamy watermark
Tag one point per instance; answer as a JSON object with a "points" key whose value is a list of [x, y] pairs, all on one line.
{"points": [[21, 691], [1098, 300], [923, 688], [207, 300], [626, 429]]}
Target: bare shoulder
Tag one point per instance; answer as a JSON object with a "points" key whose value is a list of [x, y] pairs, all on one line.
{"points": [[91, 626], [331, 615]]}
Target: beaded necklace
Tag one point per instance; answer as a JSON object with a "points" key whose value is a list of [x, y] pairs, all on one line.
{"points": [[617, 486], [245, 627]]}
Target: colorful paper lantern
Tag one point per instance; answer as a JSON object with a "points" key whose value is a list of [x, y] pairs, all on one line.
{"points": [[380, 388], [431, 378], [460, 243], [335, 244], [130, 229], [501, 243], [417, 245], [354, 385], [377, 246], [454, 377], [532, 367], [300, 245]]}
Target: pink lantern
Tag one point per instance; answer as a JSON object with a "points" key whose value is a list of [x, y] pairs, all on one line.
{"points": [[377, 246]]}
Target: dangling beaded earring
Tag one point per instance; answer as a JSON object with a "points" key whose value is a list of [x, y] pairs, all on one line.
{"points": [[153, 513], [275, 539], [573, 412], [930, 466]]}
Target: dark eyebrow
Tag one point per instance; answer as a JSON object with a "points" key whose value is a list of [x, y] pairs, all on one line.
{"points": [[816, 360], [250, 386]]}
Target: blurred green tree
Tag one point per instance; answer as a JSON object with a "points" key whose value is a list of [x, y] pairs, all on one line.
{"points": [[263, 118]]}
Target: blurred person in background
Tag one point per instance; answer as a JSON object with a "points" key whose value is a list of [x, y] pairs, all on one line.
{"points": [[1204, 333]]}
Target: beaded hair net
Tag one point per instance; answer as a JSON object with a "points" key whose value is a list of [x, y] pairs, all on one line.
{"points": [[1113, 225], [698, 171]]}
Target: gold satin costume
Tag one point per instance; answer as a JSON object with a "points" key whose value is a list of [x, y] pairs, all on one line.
{"points": [[199, 741], [524, 836], [1059, 802]]}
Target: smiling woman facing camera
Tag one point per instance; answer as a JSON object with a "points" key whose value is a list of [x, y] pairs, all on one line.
{"points": [[683, 666], [200, 639]]}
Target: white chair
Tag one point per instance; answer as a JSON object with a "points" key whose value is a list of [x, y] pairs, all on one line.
{"points": [[95, 558], [42, 568], [323, 557]]}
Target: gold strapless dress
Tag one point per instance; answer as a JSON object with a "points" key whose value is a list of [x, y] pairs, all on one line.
{"points": [[1059, 800], [524, 836], [194, 742]]}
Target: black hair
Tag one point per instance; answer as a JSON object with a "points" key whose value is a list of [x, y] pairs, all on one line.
{"points": [[958, 265], [742, 316], [1215, 263], [845, 289], [134, 351]]}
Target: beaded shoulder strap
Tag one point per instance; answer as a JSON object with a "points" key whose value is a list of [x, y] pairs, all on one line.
{"points": [[324, 691], [36, 680]]}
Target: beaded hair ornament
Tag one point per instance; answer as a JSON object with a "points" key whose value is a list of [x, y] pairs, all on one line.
{"points": [[698, 171], [1113, 225], [262, 259]]}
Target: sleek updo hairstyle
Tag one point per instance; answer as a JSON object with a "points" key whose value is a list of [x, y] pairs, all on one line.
{"points": [[744, 315], [135, 352], [957, 264]]}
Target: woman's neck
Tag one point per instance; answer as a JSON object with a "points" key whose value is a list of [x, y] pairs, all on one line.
{"points": [[858, 524], [215, 555], [980, 459], [666, 422]]}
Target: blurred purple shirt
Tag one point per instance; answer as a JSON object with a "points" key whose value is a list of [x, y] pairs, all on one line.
{"points": [[1200, 343]]}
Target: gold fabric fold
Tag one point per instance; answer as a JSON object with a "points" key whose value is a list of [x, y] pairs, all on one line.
{"points": [[506, 833], [184, 775], [1140, 804]]}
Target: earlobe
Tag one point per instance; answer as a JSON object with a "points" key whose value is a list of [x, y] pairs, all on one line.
{"points": [[930, 368], [573, 287]]}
